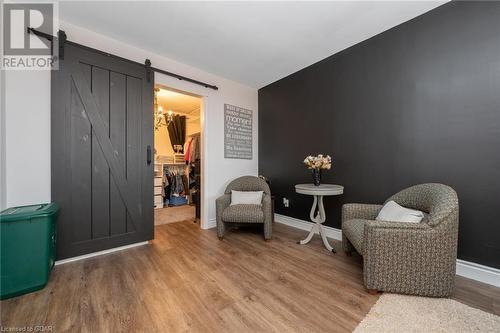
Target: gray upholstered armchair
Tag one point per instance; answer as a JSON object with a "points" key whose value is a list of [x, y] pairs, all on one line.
{"points": [[409, 258], [240, 214]]}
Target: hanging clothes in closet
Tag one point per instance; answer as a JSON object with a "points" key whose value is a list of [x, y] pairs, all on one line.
{"points": [[187, 149], [192, 149], [176, 187], [193, 160]]}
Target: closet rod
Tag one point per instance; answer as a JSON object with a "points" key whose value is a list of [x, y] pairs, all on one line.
{"points": [[62, 40]]}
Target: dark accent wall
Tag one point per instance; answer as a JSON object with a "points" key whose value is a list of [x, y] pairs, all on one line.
{"points": [[417, 103]]}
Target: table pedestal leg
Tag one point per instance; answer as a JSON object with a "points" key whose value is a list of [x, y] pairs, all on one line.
{"points": [[318, 218], [314, 230]]}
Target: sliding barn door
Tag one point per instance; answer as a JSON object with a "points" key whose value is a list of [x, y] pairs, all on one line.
{"points": [[102, 175]]}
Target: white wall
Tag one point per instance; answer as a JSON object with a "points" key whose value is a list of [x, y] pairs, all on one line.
{"points": [[3, 194], [27, 137], [28, 122], [218, 171]]}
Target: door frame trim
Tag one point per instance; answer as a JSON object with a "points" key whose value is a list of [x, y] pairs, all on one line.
{"points": [[189, 88]]}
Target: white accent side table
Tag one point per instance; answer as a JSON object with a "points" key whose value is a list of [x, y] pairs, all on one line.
{"points": [[320, 217]]}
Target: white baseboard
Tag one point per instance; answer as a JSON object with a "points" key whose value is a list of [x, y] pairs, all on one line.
{"points": [[212, 223], [332, 233], [99, 253], [478, 272], [466, 269]]}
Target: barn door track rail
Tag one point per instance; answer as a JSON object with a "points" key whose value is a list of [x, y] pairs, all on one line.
{"points": [[62, 40]]}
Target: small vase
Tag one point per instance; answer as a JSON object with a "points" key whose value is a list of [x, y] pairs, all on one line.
{"points": [[316, 173]]}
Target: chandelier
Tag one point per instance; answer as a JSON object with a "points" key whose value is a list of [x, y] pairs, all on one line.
{"points": [[160, 117]]}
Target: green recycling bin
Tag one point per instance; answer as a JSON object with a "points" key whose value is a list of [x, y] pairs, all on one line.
{"points": [[28, 248]]}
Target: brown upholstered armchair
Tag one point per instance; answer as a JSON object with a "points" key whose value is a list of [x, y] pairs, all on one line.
{"points": [[408, 258], [242, 214]]}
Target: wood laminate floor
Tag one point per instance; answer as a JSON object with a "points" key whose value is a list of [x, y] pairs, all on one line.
{"points": [[188, 280], [175, 214]]}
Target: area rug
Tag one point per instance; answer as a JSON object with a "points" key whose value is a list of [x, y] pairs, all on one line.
{"points": [[401, 313]]}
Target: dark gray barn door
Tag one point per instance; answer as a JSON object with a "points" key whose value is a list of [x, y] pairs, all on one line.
{"points": [[101, 137]]}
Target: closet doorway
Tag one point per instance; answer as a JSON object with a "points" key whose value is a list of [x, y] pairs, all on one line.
{"points": [[177, 156]]}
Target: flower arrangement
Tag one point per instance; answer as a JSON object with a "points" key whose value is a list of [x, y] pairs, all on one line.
{"points": [[318, 162]]}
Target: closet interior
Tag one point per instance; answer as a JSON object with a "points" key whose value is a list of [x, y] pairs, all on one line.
{"points": [[177, 160]]}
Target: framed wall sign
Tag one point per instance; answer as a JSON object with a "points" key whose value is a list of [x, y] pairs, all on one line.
{"points": [[238, 135]]}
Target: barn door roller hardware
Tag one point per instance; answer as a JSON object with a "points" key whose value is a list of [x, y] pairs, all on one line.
{"points": [[62, 40]]}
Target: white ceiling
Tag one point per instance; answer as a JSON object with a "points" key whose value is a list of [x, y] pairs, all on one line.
{"points": [[254, 43], [179, 103]]}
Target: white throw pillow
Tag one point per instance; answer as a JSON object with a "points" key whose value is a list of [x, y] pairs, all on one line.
{"points": [[394, 212], [246, 197]]}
